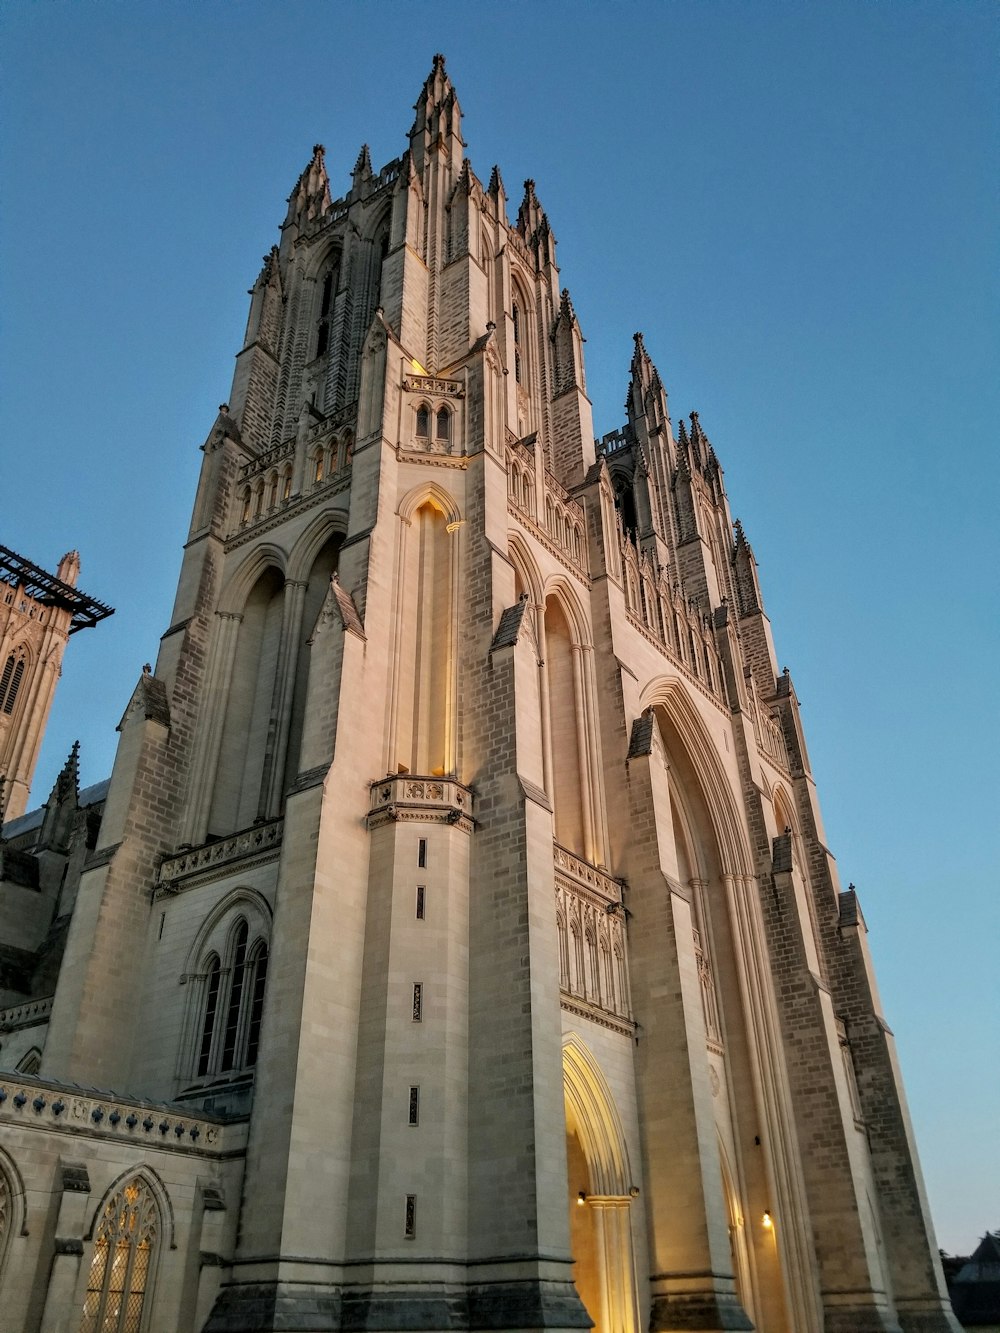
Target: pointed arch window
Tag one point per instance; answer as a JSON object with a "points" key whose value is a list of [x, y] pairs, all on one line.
{"points": [[515, 319], [442, 426], [232, 1006], [7, 1203], [10, 680], [423, 421], [120, 1272], [325, 309]]}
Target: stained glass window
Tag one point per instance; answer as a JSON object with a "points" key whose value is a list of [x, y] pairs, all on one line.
{"points": [[119, 1271]]}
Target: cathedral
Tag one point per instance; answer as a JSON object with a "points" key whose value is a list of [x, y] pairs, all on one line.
{"points": [[455, 944]]}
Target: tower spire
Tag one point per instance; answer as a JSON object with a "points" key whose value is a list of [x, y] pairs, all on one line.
{"points": [[438, 120], [311, 197]]}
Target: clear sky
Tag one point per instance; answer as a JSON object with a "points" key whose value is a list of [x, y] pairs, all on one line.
{"points": [[796, 203]]}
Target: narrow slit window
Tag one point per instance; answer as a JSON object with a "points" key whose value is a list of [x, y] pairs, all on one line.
{"points": [[418, 1001], [422, 853], [421, 901], [413, 1110], [410, 1217]]}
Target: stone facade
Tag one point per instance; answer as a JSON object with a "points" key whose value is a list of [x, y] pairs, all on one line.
{"points": [[457, 929]]}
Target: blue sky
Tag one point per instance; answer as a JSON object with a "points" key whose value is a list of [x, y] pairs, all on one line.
{"points": [[797, 204]]}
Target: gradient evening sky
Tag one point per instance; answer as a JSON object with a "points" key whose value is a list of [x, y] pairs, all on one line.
{"points": [[796, 203]]}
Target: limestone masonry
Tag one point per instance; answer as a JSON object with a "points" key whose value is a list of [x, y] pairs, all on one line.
{"points": [[455, 945]]}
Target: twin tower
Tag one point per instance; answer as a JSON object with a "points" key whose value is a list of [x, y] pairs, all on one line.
{"points": [[459, 938]]}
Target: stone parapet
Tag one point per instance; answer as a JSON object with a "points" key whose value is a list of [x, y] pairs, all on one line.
{"points": [[69, 1109], [427, 800], [262, 841]]}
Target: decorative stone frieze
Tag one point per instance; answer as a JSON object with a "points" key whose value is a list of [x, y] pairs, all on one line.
{"points": [[69, 1109], [426, 800], [258, 844]]}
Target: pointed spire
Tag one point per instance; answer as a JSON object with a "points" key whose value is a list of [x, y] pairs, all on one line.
{"points": [[496, 185], [568, 346], [269, 272], [363, 166], [311, 197], [646, 396], [67, 783], [438, 117], [740, 538], [530, 214]]}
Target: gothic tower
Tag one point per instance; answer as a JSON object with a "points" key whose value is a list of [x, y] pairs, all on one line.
{"points": [[460, 937], [38, 613]]}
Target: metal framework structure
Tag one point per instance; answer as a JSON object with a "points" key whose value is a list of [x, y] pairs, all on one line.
{"points": [[46, 589]]}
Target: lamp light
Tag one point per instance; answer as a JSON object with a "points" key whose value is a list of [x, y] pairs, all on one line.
{"points": [[767, 1220], [581, 1198]]}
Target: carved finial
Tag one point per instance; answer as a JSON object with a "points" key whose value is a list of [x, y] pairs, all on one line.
{"points": [[363, 166], [438, 63], [147, 669], [740, 535], [496, 185]]}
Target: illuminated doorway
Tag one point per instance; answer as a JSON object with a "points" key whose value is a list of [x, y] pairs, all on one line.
{"points": [[599, 1195]]}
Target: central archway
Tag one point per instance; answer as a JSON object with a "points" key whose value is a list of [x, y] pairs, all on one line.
{"points": [[599, 1195]]}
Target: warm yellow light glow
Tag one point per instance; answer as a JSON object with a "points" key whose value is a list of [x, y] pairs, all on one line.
{"points": [[767, 1221], [416, 367], [581, 1199]]}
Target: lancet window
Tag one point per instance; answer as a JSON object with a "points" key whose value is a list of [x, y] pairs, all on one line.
{"points": [[325, 312], [10, 679], [232, 1004], [122, 1266]]}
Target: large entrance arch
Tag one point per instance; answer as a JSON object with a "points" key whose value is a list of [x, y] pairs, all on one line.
{"points": [[599, 1195]]}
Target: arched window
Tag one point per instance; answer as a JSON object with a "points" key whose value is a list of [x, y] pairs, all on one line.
{"points": [[10, 680], [30, 1062], [325, 308], [272, 493], [348, 449], [286, 484], [515, 319], [232, 1005], [213, 981], [423, 421], [7, 1203], [120, 1271], [318, 466], [442, 428], [258, 499]]}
